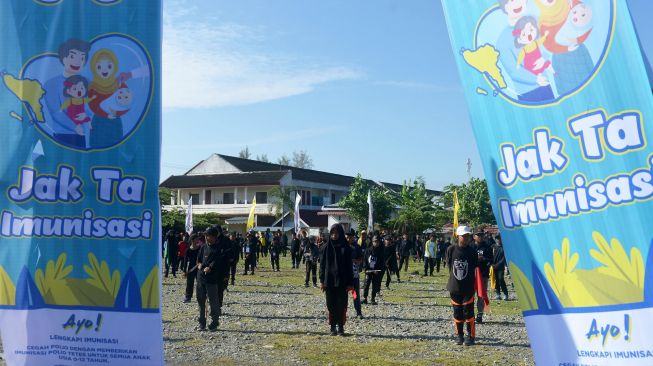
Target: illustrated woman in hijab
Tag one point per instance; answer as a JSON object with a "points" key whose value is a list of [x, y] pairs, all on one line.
{"points": [[107, 125]]}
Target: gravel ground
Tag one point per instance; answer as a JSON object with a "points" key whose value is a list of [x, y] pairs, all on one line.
{"points": [[272, 319]]}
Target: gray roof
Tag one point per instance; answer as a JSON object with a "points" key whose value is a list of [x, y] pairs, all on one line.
{"points": [[225, 180]]}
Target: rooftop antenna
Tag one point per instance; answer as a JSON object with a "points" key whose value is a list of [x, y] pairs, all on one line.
{"points": [[469, 168]]}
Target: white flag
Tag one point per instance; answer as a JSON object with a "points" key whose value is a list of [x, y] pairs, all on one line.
{"points": [[189, 216], [370, 218], [298, 200]]}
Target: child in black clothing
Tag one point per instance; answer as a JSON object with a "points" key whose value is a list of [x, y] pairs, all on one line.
{"points": [[462, 260]]}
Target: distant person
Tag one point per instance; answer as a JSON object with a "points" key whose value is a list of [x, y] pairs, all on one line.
{"points": [[213, 266], [275, 252], [336, 277], [250, 251], [484, 262], [430, 248], [236, 250], [189, 266], [295, 248], [439, 253], [499, 266], [374, 265], [170, 252], [462, 261], [405, 247], [357, 262], [419, 249], [390, 255]]}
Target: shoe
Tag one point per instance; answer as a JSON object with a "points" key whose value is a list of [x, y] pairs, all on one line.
{"points": [[506, 298], [315, 285], [460, 340], [469, 341], [498, 297], [360, 316], [201, 327], [233, 283], [213, 326], [186, 300], [398, 280], [373, 302], [341, 331], [479, 319], [306, 284], [333, 331], [364, 301]]}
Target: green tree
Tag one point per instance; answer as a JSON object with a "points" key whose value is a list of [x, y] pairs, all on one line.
{"points": [[284, 160], [282, 200], [165, 196], [474, 200], [356, 203], [245, 153], [416, 208], [176, 220]]}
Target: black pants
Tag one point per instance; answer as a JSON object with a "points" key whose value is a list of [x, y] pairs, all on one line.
{"points": [[437, 264], [233, 266], [336, 301], [402, 260], [357, 301], [295, 259], [429, 263], [311, 267], [499, 274], [172, 264], [190, 284], [250, 263], [463, 313], [373, 279], [274, 260], [213, 292], [389, 271], [284, 250]]}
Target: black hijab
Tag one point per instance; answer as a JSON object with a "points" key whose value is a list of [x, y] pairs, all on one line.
{"points": [[332, 273]]}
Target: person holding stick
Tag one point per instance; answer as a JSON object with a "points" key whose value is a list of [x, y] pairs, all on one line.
{"points": [[374, 266]]}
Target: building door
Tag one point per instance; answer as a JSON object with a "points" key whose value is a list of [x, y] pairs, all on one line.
{"points": [[207, 197]]}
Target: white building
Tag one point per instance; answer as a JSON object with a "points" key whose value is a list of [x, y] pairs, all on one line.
{"points": [[227, 185]]}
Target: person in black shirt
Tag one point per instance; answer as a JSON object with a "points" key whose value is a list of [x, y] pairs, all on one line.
{"points": [[295, 245], [236, 250], [404, 249], [250, 251], [499, 266], [213, 269], [462, 260], [390, 255], [374, 265], [357, 261], [484, 261], [189, 266], [275, 252], [311, 254], [441, 248], [171, 248], [336, 277]]}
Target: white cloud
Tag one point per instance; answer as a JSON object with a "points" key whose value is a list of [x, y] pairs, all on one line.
{"points": [[208, 64]]}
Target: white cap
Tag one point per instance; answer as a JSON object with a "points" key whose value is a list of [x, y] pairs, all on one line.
{"points": [[463, 230]]}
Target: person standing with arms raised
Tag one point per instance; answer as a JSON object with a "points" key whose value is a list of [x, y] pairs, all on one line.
{"points": [[336, 277]]}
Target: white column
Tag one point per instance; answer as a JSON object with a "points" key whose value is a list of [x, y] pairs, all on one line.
{"points": [[246, 201], [235, 195]]}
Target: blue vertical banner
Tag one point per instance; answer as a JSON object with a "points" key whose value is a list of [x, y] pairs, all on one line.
{"points": [[561, 108], [80, 125]]}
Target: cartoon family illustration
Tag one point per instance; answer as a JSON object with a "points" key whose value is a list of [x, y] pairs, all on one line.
{"points": [[88, 114], [545, 55]]}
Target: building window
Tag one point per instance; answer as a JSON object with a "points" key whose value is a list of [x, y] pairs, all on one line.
{"points": [[228, 198], [207, 197], [261, 197], [306, 198], [333, 199], [195, 197], [317, 201]]}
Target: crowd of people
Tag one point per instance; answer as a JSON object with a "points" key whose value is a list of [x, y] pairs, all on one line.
{"points": [[335, 262]]}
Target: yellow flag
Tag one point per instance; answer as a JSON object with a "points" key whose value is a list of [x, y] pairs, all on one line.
{"points": [[456, 207], [250, 219]]}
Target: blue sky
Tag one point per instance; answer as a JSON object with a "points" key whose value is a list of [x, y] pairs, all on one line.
{"points": [[366, 86]]}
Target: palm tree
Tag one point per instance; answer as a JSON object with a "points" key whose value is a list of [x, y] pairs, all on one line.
{"points": [[282, 200]]}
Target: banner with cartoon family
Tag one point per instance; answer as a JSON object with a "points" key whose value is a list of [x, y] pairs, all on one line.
{"points": [[561, 106], [79, 172]]}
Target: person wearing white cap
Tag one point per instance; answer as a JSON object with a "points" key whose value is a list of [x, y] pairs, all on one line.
{"points": [[462, 260]]}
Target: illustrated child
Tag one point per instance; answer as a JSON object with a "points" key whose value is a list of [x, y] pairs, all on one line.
{"points": [[578, 24], [75, 88], [120, 101], [526, 38]]}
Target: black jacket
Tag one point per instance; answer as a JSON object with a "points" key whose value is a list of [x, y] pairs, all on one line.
{"points": [[336, 268], [499, 259], [295, 245], [216, 257], [462, 264], [441, 249], [390, 256], [190, 260], [485, 252], [374, 258], [405, 247], [310, 251]]}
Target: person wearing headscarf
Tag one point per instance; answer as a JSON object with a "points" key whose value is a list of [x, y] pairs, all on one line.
{"points": [[336, 277]]}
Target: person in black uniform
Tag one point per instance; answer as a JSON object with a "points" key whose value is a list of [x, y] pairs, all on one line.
{"points": [[311, 254], [499, 265], [213, 269], [357, 262], [485, 255], [404, 249], [295, 245], [275, 252], [189, 266], [441, 248], [390, 255], [462, 260], [374, 265], [250, 251], [236, 250], [171, 246], [336, 277]]}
